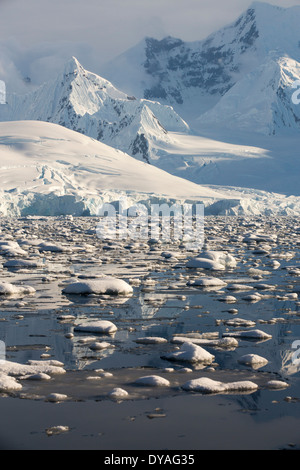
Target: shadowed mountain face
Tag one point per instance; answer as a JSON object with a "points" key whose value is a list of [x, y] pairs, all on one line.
{"points": [[194, 76]]}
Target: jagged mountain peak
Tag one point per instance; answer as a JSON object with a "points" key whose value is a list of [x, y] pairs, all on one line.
{"points": [[87, 103], [193, 76]]}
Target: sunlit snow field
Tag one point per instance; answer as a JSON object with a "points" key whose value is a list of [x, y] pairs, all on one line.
{"points": [[194, 358]]}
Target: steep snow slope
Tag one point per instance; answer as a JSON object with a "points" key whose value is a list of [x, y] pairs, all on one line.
{"points": [[194, 76], [262, 101], [48, 169], [87, 103]]}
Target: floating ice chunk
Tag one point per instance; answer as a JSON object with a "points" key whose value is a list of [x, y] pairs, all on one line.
{"points": [[34, 367], [10, 289], [291, 296], [54, 430], [98, 346], [97, 326], [239, 287], [38, 376], [208, 282], [53, 248], [253, 360], [277, 384], [51, 362], [264, 286], [171, 254], [275, 264], [9, 384], [202, 263], [214, 260], [255, 334], [190, 352], [151, 340], [206, 385], [228, 299], [221, 343], [238, 322], [10, 248], [56, 397], [104, 374], [221, 257], [252, 297], [152, 381], [21, 263], [107, 285], [118, 393], [259, 237]]}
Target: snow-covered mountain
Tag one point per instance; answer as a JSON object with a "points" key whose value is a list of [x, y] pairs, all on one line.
{"points": [[240, 76], [84, 102]]}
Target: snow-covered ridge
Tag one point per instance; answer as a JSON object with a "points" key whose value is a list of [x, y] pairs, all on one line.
{"points": [[46, 169], [84, 102]]}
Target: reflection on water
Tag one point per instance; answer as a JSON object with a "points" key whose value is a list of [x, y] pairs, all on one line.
{"points": [[164, 303]]}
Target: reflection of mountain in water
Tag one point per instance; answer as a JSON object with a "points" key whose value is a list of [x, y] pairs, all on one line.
{"points": [[150, 304], [289, 365]]}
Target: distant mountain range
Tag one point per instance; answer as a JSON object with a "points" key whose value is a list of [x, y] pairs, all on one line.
{"points": [[215, 112], [239, 77]]}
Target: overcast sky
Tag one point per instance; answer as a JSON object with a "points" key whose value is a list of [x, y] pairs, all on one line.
{"points": [[36, 36]]}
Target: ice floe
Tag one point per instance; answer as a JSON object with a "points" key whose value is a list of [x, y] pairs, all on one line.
{"points": [[206, 385], [192, 353], [97, 326], [10, 289], [152, 381], [118, 393], [254, 334], [107, 285], [253, 360], [213, 260]]}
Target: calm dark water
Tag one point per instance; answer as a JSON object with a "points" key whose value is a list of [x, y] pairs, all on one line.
{"points": [[162, 305]]}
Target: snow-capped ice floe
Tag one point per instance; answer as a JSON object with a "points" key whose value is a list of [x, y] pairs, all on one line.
{"points": [[152, 381], [253, 360], [51, 247], [118, 393], [33, 367], [151, 340], [9, 384], [21, 263], [11, 248], [252, 297], [252, 334], [213, 260], [97, 326], [228, 299], [10, 289], [106, 285], [55, 430], [239, 287], [259, 237], [220, 342], [56, 397], [206, 385], [99, 345], [238, 322], [192, 353], [277, 384], [207, 282]]}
